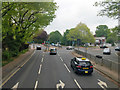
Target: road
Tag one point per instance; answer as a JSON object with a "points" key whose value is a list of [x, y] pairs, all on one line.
{"points": [[54, 71], [98, 51]]}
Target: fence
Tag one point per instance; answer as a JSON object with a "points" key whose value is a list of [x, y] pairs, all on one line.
{"points": [[111, 65]]}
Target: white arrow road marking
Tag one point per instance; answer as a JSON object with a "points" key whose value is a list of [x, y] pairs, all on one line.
{"points": [[102, 84], [60, 84], [61, 59], [42, 60], [40, 69], [77, 84], [15, 86], [36, 85], [66, 67]]}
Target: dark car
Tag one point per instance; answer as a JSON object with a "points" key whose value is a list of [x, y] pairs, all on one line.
{"points": [[70, 47], [117, 48], [103, 46], [107, 51], [38, 47], [81, 65], [53, 51]]}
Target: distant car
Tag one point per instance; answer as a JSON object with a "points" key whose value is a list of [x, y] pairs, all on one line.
{"points": [[70, 47], [117, 48], [53, 51], [107, 51], [38, 47], [103, 46], [81, 65]]}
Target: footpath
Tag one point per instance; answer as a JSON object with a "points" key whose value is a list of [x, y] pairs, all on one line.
{"points": [[10, 68]]}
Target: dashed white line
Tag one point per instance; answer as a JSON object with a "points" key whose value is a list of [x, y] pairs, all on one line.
{"points": [[66, 67], [42, 60], [40, 69], [77, 84], [61, 59], [116, 54], [36, 85], [58, 55]]}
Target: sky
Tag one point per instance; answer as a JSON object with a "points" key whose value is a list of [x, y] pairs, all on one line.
{"points": [[72, 12]]}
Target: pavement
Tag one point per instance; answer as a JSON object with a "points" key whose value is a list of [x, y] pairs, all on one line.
{"points": [[43, 70]]}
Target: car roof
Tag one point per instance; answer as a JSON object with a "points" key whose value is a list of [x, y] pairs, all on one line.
{"points": [[82, 59]]}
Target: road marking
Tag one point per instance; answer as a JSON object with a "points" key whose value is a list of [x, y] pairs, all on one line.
{"points": [[102, 84], [61, 84], [43, 55], [66, 67], [14, 72], [42, 60], [58, 54], [15, 86], [40, 69], [36, 85], [61, 59], [116, 54], [77, 84]]}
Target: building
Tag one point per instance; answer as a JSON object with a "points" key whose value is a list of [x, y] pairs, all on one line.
{"points": [[100, 40]]}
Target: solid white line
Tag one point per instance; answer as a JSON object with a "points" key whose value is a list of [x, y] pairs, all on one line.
{"points": [[42, 60], [40, 69], [77, 84], [61, 59], [66, 67], [36, 85]]}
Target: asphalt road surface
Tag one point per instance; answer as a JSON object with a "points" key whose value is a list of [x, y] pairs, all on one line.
{"points": [[54, 71], [98, 51]]}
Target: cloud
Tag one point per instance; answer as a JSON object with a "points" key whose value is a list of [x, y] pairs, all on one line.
{"points": [[70, 13]]}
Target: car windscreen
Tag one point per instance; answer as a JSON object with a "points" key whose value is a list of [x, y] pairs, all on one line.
{"points": [[84, 63]]}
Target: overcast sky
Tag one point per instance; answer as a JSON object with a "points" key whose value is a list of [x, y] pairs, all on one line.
{"points": [[72, 12]]}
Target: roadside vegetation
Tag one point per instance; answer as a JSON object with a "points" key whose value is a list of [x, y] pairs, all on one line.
{"points": [[21, 21]]}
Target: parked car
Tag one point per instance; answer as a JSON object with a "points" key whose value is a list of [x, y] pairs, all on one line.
{"points": [[107, 51], [53, 51], [38, 47], [81, 65], [70, 47], [117, 48]]}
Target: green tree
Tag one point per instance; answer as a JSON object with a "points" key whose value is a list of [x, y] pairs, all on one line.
{"points": [[110, 8], [22, 20], [82, 32], [55, 37], [102, 30]]}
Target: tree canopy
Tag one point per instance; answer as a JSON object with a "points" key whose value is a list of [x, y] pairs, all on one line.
{"points": [[82, 32]]}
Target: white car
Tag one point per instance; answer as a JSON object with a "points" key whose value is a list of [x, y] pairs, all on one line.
{"points": [[107, 51], [70, 48]]}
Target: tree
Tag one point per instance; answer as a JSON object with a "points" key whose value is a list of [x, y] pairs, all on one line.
{"points": [[64, 38], [82, 32], [55, 37], [110, 8], [102, 31], [41, 37], [22, 20]]}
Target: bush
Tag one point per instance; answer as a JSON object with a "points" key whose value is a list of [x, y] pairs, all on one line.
{"points": [[6, 55]]}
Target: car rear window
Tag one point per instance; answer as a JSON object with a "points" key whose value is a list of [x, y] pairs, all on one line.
{"points": [[52, 50], [84, 63]]}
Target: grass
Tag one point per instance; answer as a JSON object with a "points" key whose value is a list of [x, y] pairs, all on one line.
{"points": [[4, 62]]}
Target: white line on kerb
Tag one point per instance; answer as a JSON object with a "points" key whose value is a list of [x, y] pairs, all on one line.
{"points": [[42, 60], [40, 69], [36, 85], [61, 59], [77, 84], [66, 67]]}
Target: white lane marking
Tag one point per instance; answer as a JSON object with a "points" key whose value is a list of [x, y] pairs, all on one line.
{"points": [[40, 69], [15, 86], [58, 54], [36, 85], [43, 55], [61, 59], [66, 67], [102, 84], [116, 54], [42, 60], [60, 84], [77, 84]]}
